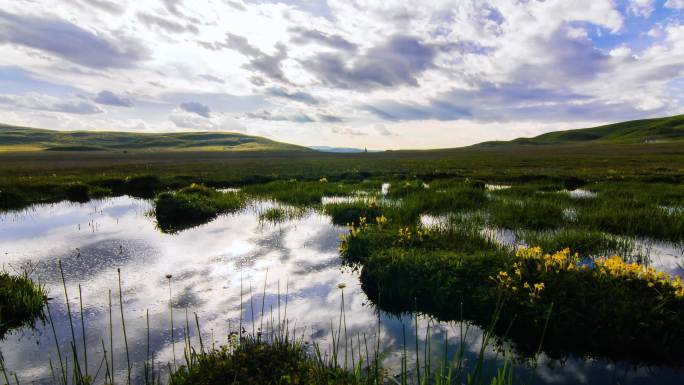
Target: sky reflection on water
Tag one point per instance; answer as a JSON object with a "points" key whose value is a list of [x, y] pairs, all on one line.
{"points": [[209, 264]]}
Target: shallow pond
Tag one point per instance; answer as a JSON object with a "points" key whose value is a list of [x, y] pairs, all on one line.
{"points": [[209, 264]]}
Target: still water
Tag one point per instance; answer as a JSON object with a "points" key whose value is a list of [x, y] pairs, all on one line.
{"points": [[209, 264]]}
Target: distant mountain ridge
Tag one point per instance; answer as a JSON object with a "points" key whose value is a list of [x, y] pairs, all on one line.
{"points": [[668, 129], [33, 139]]}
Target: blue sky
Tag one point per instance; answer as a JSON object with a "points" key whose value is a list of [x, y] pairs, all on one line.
{"points": [[383, 75]]}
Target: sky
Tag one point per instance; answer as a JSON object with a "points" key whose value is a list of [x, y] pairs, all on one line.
{"points": [[353, 73]]}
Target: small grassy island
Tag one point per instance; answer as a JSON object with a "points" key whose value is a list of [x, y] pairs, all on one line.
{"points": [[21, 302]]}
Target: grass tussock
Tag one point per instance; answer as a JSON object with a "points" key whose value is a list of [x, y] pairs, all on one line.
{"points": [[281, 214], [254, 361], [347, 213], [192, 206], [21, 301]]}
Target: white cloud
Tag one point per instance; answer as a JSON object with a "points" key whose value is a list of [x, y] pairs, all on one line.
{"points": [[340, 72], [35, 101], [674, 4], [642, 8]]}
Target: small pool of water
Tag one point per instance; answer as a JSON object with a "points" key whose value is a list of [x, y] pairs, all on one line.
{"points": [[209, 264]]}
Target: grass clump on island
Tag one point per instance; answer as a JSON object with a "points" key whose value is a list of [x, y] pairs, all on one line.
{"points": [[577, 306], [21, 301], [255, 362], [194, 205]]}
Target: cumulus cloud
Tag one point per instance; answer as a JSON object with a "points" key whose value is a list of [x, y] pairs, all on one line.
{"points": [[297, 96], [268, 65], [266, 115], [348, 131], [111, 99], [34, 101], [503, 103], [303, 35], [674, 4], [373, 68], [70, 42], [330, 118], [381, 129], [396, 62], [642, 8], [212, 78], [196, 108], [167, 25], [218, 122], [105, 5]]}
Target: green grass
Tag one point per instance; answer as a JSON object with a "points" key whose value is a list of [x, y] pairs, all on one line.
{"points": [[74, 141], [192, 206], [585, 242], [280, 214], [351, 212], [21, 302], [636, 131], [298, 192], [529, 213], [254, 361]]}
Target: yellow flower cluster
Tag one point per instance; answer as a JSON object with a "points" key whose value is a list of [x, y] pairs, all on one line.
{"points": [[532, 264], [355, 230], [616, 267], [555, 262], [381, 221], [511, 285], [404, 235]]}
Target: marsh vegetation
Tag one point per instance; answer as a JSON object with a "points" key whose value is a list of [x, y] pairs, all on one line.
{"points": [[518, 249]]}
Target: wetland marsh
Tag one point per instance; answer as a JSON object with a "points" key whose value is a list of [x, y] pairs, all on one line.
{"points": [[400, 249]]}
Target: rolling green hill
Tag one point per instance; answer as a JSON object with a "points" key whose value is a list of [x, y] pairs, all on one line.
{"points": [[660, 130], [14, 138]]}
